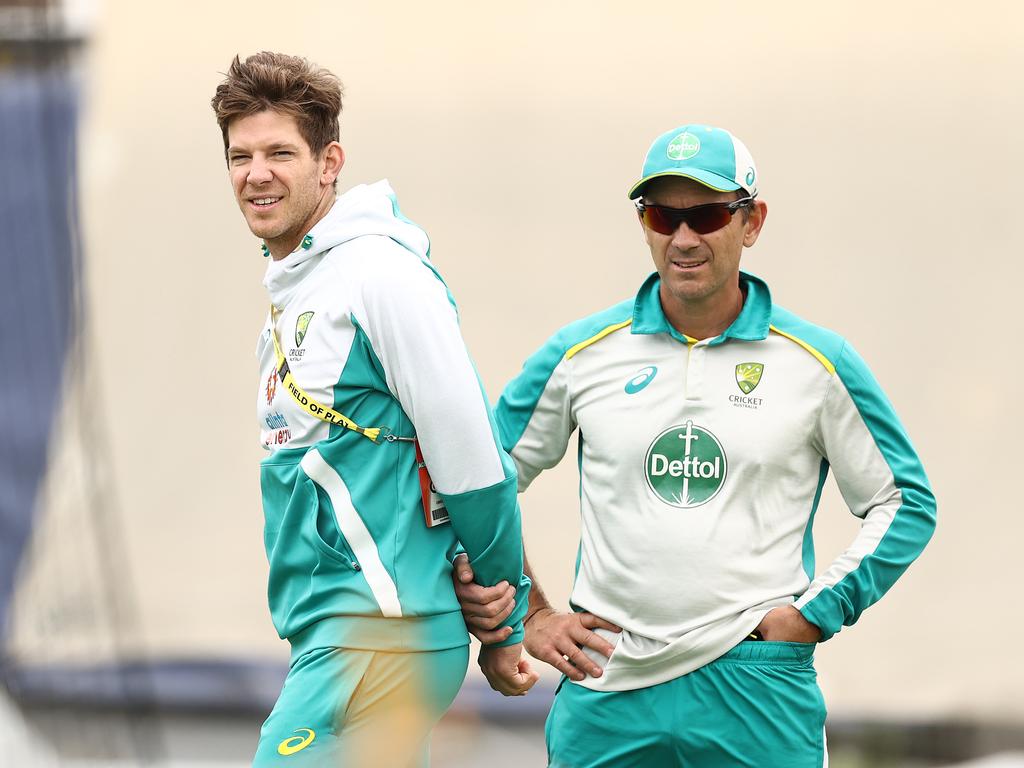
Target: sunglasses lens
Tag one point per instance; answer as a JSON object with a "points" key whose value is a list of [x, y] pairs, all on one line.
{"points": [[707, 220], [659, 220], [702, 220]]}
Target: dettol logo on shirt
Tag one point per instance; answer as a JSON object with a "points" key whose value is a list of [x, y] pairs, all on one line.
{"points": [[686, 466]]}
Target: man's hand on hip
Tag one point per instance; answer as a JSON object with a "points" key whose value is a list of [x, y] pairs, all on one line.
{"points": [[506, 670], [789, 625], [559, 638], [483, 608]]}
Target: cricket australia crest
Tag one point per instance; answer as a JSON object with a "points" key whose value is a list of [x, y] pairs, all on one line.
{"points": [[748, 376], [300, 327]]}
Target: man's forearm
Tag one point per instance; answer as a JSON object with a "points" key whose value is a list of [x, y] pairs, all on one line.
{"points": [[537, 599], [558, 638]]}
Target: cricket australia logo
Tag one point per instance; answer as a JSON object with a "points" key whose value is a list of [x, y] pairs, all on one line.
{"points": [[300, 327], [748, 376], [686, 466]]}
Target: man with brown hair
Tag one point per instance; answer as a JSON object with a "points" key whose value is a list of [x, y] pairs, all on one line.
{"points": [[365, 383]]}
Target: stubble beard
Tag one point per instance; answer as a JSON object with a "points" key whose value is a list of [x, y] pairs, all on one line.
{"points": [[277, 228]]}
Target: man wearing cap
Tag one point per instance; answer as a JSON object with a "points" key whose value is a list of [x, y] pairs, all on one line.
{"points": [[709, 418]]}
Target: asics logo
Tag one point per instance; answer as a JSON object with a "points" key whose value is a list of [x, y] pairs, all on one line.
{"points": [[296, 743], [640, 380]]}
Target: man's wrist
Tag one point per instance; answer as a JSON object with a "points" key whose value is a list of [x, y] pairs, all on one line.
{"points": [[516, 636], [531, 613]]}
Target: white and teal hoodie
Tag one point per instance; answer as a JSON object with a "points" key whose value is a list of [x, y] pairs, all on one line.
{"points": [[701, 466], [369, 328]]}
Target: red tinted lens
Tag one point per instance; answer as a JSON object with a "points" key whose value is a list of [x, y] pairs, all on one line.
{"points": [[702, 219], [658, 219]]}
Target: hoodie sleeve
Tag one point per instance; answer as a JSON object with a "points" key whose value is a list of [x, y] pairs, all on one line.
{"points": [[412, 325]]}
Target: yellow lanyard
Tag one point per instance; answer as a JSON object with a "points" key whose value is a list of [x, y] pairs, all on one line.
{"points": [[311, 406]]}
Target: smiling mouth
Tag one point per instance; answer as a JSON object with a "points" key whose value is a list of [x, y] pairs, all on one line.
{"points": [[688, 264], [263, 202]]}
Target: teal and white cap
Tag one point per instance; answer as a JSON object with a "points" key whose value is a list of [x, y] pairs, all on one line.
{"points": [[711, 156]]}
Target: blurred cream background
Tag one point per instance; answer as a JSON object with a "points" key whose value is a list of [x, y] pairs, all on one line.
{"points": [[888, 142]]}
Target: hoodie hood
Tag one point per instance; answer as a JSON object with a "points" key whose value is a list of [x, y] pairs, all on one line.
{"points": [[368, 209]]}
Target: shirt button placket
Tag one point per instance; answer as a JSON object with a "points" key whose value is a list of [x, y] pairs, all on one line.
{"points": [[695, 371]]}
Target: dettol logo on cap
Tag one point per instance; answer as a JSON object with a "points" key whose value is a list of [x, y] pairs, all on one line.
{"points": [[683, 147], [686, 466]]}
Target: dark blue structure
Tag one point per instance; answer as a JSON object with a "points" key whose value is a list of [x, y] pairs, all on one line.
{"points": [[39, 278]]}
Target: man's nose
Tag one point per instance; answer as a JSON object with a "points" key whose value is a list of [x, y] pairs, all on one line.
{"points": [[259, 172], [685, 238]]}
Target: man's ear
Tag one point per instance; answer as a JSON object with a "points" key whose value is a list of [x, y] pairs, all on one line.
{"points": [[755, 220], [332, 160]]}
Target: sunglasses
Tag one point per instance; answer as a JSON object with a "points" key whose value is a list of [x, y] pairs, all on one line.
{"points": [[702, 219]]}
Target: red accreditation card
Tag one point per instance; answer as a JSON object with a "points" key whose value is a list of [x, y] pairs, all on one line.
{"points": [[434, 512]]}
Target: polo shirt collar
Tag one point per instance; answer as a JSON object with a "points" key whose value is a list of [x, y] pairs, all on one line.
{"points": [[751, 324]]}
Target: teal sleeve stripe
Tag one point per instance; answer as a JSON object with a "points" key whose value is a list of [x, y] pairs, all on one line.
{"points": [[487, 523], [808, 544], [910, 529], [520, 397]]}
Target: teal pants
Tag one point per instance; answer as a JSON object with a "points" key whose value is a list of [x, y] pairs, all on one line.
{"points": [[758, 706], [345, 707]]}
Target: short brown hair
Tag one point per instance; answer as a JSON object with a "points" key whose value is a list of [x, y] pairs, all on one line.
{"points": [[286, 84]]}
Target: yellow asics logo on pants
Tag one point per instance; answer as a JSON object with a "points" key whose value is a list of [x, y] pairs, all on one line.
{"points": [[296, 743]]}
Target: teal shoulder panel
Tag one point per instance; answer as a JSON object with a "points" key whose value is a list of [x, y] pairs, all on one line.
{"points": [[518, 400], [580, 330], [828, 343]]}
